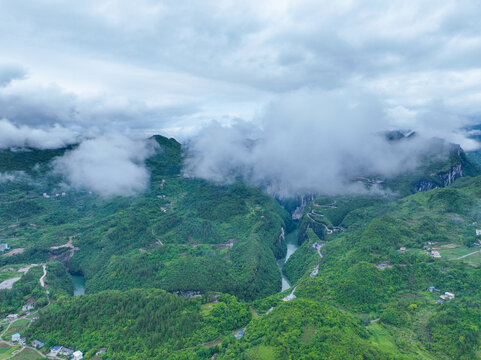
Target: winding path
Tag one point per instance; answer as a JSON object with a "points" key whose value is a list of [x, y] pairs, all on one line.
{"points": [[309, 215], [42, 279], [462, 257], [329, 206]]}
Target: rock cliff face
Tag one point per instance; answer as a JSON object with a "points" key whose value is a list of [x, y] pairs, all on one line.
{"points": [[449, 177], [297, 214], [425, 185], [446, 178]]}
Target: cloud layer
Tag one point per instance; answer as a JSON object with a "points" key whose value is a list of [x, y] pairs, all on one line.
{"points": [[109, 165], [302, 77], [309, 142], [50, 137], [173, 66]]}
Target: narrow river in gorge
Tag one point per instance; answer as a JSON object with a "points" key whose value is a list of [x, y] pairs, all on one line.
{"points": [[291, 241]]}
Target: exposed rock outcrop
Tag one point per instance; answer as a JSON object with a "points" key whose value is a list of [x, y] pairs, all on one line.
{"points": [[455, 172], [425, 185], [299, 211]]}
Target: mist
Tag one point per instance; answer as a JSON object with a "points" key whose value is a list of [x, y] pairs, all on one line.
{"points": [[11, 176], [22, 136], [315, 142], [108, 165]]}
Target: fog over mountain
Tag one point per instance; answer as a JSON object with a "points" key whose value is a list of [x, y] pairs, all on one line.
{"points": [[311, 142], [109, 165], [312, 82]]}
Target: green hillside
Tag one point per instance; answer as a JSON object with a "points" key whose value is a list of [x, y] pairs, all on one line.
{"points": [[175, 272]]}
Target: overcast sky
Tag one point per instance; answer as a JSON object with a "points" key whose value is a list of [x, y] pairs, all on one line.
{"points": [[172, 66], [307, 79]]}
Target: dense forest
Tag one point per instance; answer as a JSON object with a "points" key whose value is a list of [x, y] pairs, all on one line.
{"points": [[178, 271]]}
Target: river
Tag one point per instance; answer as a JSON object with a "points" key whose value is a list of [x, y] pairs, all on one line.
{"points": [[291, 241], [78, 285]]}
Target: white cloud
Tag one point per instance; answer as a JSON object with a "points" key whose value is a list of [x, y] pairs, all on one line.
{"points": [[50, 137], [172, 66], [11, 176], [311, 141], [222, 59], [109, 165]]}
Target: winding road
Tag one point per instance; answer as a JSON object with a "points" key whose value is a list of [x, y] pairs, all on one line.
{"points": [[11, 321], [309, 215]]}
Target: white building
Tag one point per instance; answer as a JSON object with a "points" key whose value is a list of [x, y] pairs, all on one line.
{"points": [[478, 232], [77, 355], [27, 307], [16, 337], [447, 296], [435, 254]]}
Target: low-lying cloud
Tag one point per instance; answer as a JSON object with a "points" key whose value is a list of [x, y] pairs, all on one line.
{"points": [[108, 165], [311, 141], [10, 176], [49, 137]]}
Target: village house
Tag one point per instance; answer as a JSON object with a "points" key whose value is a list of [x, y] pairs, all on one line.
{"points": [[478, 232], [239, 334], [55, 350], [230, 243], [12, 316], [66, 351], [435, 254], [16, 337], [4, 247], [38, 344], [401, 250], [383, 266], [447, 296], [27, 307], [433, 289], [77, 355]]}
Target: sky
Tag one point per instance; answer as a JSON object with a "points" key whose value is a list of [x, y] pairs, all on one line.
{"points": [[182, 68]]}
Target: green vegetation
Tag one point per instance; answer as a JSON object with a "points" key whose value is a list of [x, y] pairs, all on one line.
{"points": [[140, 324], [28, 287], [143, 257], [181, 235]]}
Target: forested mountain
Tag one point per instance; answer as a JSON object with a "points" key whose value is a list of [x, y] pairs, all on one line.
{"points": [[176, 271]]}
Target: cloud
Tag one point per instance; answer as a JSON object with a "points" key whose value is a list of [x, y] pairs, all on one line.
{"points": [[51, 105], [12, 176], [309, 141], [50, 137], [155, 65], [9, 72], [264, 70], [108, 165]]}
